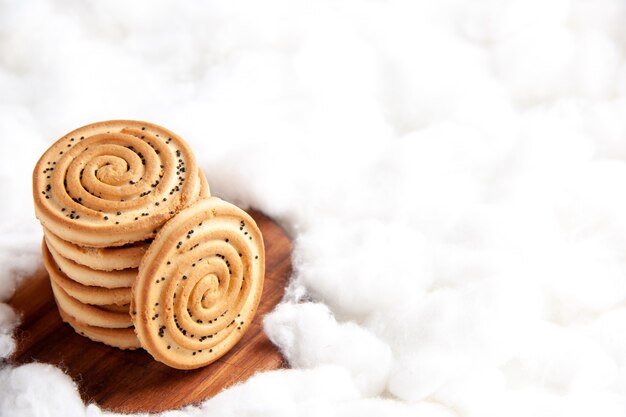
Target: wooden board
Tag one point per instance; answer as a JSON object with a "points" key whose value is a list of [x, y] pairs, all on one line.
{"points": [[131, 381]]}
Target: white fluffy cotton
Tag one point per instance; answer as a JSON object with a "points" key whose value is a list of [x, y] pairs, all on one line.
{"points": [[309, 336], [38, 390], [452, 174]]}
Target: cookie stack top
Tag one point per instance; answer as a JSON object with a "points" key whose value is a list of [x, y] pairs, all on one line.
{"points": [[113, 183]]}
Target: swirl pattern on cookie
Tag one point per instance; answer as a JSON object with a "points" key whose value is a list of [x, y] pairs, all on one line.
{"points": [[115, 182], [199, 284]]}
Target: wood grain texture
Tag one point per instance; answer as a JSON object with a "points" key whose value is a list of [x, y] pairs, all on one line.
{"points": [[131, 381]]}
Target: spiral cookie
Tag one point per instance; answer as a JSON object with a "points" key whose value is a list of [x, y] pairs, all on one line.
{"points": [[112, 183], [199, 284], [108, 259], [119, 338]]}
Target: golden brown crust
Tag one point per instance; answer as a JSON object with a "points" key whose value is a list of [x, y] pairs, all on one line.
{"points": [[102, 259], [114, 182], [85, 294], [89, 314], [205, 191], [119, 338], [199, 284], [92, 277]]}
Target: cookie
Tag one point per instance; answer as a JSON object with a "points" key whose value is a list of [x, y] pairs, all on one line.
{"points": [[83, 293], [199, 284], [205, 191], [119, 338], [89, 314], [102, 259], [112, 258], [92, 277], [115, 182], [115, 308]]}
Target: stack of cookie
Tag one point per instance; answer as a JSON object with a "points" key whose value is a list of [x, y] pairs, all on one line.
{"points": [[138, 252], [102, 192]]}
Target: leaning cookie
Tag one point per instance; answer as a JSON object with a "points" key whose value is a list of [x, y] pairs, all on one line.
{"points": [[115, 182], [199, 284], [119, 338]]}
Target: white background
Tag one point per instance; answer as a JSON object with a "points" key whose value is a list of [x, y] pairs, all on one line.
{"points": [[452, 172]]}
